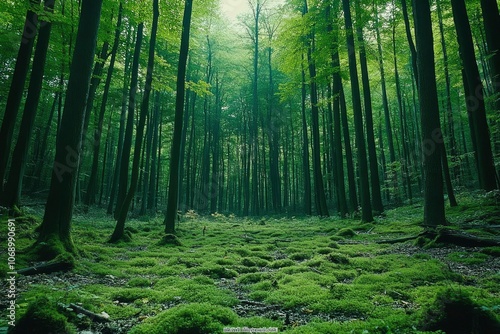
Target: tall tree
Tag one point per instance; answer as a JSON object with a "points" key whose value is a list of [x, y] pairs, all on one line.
{"points": [[319, 190], [122, 216], [173, 186], [12, 192], [370, 135], [366, 206], [432, 140], [17, 86], [92, 185], [127, 140], [475, 97], [55, 229]]}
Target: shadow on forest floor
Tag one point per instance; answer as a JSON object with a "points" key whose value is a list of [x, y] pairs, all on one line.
{"points": [[296, 274]]}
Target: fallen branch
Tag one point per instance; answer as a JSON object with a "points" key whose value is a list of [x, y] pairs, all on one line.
{"points": [[102, 317]]}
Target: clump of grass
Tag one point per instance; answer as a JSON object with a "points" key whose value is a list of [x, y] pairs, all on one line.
{"points": [[216, 272], [453, 311], [196, 318], [169, 239]]}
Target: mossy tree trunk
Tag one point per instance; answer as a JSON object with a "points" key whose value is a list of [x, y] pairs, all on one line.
{"points": [[56, 224]]}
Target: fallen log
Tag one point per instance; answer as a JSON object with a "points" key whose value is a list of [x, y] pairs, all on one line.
{"points": [[46, 268], [96, 317]]}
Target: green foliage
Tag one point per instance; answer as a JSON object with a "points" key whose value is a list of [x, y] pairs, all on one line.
{"points": [[196, 318]]}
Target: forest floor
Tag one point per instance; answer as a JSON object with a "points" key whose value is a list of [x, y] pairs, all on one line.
{"points": [[296, 274]]}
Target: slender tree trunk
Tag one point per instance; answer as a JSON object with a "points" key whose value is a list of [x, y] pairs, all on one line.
{"points": [[486, 166], [434, 214], [173, 188], [56, 225], [127, 140], [121, 133], [11, 195], [378, 207], [305, 151], [366, 207], [120, 224], [319, 190], [92, 185], [17, 87]]}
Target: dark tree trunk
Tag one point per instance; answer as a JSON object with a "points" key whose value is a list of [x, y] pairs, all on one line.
{"points": [[92, 186], [173, 187], [319, 190], [127, 140], [353, 193], [432, 140], [305, 150], [366, 207], [17, 87], [378, 207], [121, 133], [122, 217], [11, 195], [475, 97], [56, 224]]}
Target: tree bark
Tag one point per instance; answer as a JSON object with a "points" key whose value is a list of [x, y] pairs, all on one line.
{"points": [[366, 207], [173, 187], [122, 217], [17, 87], [486, 166], [432, 140], [11, 195], [56, 224]]}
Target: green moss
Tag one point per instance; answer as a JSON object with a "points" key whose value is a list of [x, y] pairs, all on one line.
{"points": [[253, 277], [493, 251], [468, 258], [281, 263], [42, 317], [196, 318], [169, 239], [139, 282], [337, 258]]}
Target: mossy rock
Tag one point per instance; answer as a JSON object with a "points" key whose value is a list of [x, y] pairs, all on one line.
{"points": [[42, 317], [453, 311], [170, 239], [346, 233], [195, 318]]}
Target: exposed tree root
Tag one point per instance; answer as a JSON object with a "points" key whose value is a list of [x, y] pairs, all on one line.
{"points": [[448, 236]]}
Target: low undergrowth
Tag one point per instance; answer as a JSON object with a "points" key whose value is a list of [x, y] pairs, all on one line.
{"points": [[300, 275]]}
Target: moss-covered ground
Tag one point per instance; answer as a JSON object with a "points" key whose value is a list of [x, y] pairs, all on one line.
{"points": [[298, 274]]}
